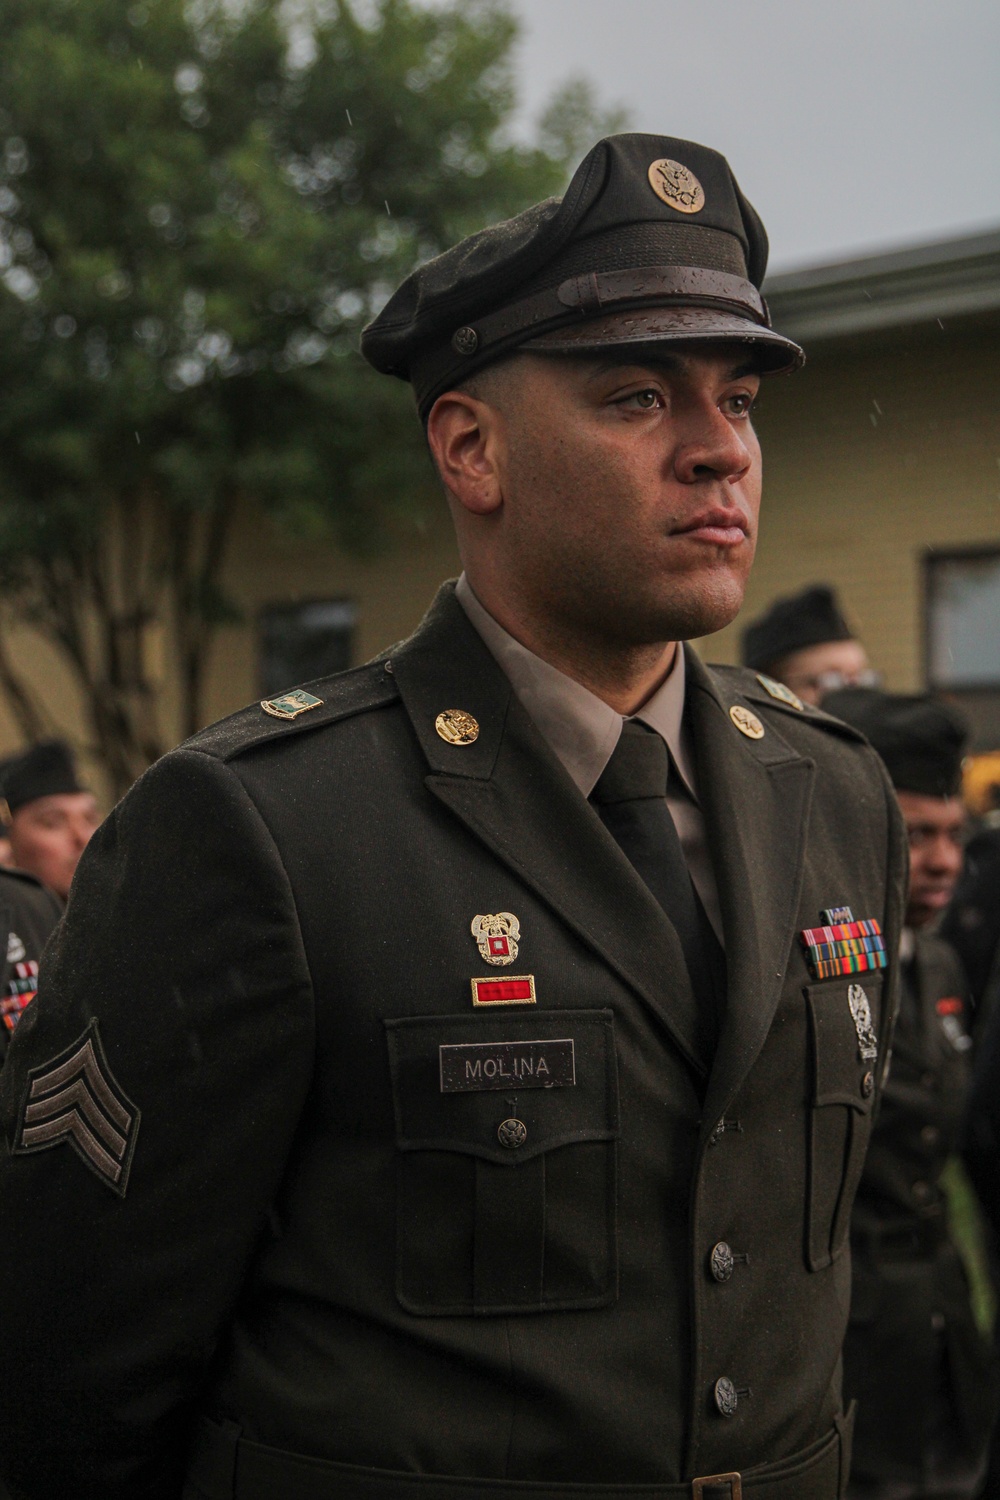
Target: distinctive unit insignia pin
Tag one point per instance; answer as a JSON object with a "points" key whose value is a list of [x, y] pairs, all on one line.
{"points": [[862, 1013], [457, 727], [290, 705], [513, 989], [779, 691], [75, 1098], [496, 936], [746, 722], [830, 916], [676, 186]]}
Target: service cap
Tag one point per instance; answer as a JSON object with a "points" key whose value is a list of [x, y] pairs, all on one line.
{"points": [[793, 622], [653, 242], [921, 739], [46, 770]]}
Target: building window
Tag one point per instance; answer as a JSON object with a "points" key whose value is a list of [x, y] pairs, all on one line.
{"points": [[300, 642], [963, 636]]}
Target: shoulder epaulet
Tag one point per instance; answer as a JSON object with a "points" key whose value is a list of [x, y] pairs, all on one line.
{"points": [[311, 707], [767, 692]]}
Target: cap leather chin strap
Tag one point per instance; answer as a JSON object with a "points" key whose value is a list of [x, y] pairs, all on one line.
{"points": [[582, 297], [611, 291]]}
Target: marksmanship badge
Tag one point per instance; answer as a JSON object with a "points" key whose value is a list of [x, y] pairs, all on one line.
{"points": [[676, 186], [496, 936], [862, 1013], [75, 1099]]}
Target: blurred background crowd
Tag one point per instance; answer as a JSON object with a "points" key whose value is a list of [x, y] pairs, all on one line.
{"points": [[206, 496]]}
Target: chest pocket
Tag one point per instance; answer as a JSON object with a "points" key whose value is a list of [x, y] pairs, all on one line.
{"points": [[842, 1027], [506, 1168]]}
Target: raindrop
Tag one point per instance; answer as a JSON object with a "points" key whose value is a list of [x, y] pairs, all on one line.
{"points": [[64, 326], [940, 324], [387, 208], [873, 419], [137, 437], [877, 407], [350, 122]]}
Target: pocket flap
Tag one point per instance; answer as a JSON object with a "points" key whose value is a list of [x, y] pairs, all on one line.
{"points": [[843, 1014], [457, 1079]]}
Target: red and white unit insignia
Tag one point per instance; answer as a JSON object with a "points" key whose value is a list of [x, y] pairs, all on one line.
{"points": [[496, 936]]}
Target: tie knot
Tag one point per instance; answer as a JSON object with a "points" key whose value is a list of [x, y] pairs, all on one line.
{"points": [[638, 768]]}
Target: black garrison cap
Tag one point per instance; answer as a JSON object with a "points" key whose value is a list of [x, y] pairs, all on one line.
{"points": [[653, 242], [921, 739], [809, 618], [46, 770]]}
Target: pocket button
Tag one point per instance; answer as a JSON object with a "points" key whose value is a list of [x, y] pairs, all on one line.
{"points": [[512, 1134], [721, 1261]]}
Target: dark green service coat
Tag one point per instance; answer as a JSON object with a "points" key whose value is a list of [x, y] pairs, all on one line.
{"points": [[914, 1359], [318, 1245], [28, 913]]}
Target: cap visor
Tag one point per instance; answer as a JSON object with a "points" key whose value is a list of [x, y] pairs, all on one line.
{"points": [[671, 325]]}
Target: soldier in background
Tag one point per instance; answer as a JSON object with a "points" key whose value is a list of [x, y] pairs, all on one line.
{"points": [[28, 913], [805, 642], [914, 1358], [48, 815]]}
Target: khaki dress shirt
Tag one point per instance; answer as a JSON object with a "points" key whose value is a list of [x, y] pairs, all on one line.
{"points": [[582, 731]]}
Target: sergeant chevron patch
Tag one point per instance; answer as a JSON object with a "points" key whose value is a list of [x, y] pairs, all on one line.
{"points": [[75, 1098]]}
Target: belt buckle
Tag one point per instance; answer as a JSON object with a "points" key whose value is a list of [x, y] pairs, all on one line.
{"points": [[699, 1486]]}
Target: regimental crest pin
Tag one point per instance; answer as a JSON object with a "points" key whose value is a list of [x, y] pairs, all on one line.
{"points": [[779, 691], [290, 705], [496, 936], [75, 1100], [863, 1025]]}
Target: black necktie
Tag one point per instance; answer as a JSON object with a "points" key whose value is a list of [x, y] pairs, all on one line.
{"points": [[630, 798]]}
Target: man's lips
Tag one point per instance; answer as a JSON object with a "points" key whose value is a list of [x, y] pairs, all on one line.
{"points": [[725, 526]]}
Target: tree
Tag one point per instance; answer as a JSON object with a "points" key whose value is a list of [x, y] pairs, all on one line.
{"points": [[200, 205]]}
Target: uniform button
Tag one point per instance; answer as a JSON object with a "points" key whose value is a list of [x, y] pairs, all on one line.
{"points": [[930, 1135], [512, 1134], [726, 1399], [921, 1192], [868, 1084], [721, 1261]]}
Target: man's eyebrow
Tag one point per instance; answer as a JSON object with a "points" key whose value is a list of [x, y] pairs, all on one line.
{"points": [[673, 364]]}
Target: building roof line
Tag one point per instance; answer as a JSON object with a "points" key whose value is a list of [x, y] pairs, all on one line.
{"points": [[946, 278]]}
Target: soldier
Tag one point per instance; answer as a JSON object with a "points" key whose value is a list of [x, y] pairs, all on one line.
{"points": [[48, 816], [447, 1083], [28, 913], [805, 642], [914, 1358]]}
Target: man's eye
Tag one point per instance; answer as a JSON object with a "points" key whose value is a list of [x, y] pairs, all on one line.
{"points": [[647, 400], [741, 405]]}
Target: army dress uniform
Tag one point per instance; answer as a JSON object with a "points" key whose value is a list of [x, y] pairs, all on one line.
{"points": [[914, 1358], [401, 1144], [333, 1227], [28, 913]]}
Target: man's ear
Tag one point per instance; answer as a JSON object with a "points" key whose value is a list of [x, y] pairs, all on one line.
{"points": [[465, 438]]}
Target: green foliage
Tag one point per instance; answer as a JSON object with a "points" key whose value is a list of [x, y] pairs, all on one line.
{"points": [[200, 206]]}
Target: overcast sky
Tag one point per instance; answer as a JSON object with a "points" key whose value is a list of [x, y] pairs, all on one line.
{"points": [[852, 125]]}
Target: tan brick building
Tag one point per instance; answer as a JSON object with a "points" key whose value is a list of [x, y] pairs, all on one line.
{"points": [[882, 475]]}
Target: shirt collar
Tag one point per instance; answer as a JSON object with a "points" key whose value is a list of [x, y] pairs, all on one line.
{"points": [[580, 728]]}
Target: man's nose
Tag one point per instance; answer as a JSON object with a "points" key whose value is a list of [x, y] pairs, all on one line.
{"points": [[711, 447]]}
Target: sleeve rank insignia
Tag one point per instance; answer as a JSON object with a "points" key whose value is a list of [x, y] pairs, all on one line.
{"points": [[779, 691], [290, 705], [75, 1098]]}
